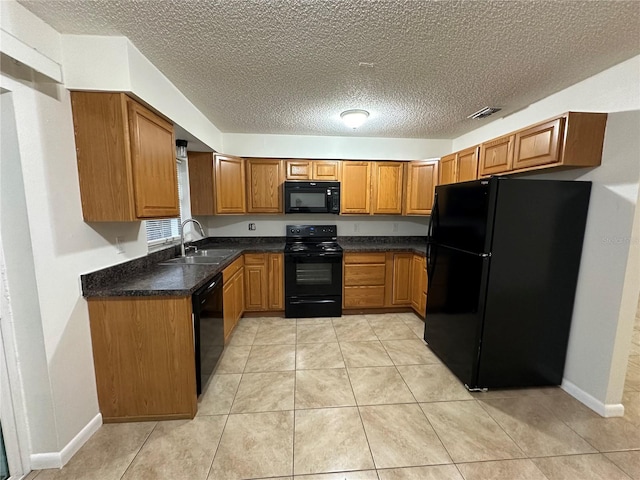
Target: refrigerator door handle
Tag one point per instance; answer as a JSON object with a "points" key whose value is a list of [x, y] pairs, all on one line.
{"points": [[433, 219]]}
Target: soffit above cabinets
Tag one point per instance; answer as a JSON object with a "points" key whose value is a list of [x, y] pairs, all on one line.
{"points": [[419, 67]]}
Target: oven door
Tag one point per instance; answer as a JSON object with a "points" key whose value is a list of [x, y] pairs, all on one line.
{"points": [[313, 284]]}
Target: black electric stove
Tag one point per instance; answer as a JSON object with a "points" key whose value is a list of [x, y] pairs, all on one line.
{"points": [[312, 272]]}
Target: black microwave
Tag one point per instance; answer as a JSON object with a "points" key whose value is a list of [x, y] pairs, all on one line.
{"points": [[311, 197]]}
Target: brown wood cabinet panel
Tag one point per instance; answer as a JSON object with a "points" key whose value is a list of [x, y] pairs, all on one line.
{"points": [[448, 169], [229, 307], [276, 281], [496, 156], [387, 181], [355, 191], [230, 185], [365, 274], [201, 183], [143, 357], [539, 145], [256, 284], [364, 296], [264, 185], [401, 291], [421, 180], [298, 169], [126, 159], [239, 292], [365, 257], [467, 164], [326, 170], [153, 163], [583, 139], [231, 269], [418, 282]]}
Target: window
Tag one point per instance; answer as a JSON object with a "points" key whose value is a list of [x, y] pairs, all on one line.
{"points": [[165, 231]]}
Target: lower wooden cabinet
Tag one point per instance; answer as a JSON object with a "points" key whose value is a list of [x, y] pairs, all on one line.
{"points": [[364, 278], [233, 295], [401, 282], [419, 284], [143, 356], [264, 281]]}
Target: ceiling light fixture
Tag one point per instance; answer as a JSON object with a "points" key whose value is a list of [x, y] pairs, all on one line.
{"points": [[484, 112], [354, 118]]}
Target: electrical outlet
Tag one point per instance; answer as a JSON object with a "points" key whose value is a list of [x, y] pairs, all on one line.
{"points": [[119, 246], [252, 226]]}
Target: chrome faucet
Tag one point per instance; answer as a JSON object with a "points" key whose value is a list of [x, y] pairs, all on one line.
{"points": [[197, 223]]}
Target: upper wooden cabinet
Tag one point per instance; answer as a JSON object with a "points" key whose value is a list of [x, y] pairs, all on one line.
{"points": [[496, 156], [264, 185], [387, 184], [355, 188], [459, 166], [229, 188], [421, 180], [300, 169], [573, 139], [201, 183], [126, 159]]}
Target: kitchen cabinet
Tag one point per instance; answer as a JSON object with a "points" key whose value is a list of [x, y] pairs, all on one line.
{"points": [[355, 188], [401, 280], [387, 184], [264, 281], [419, 284], [230, 185], [300, 169], [201, 183], [496, 156], [574, 139], [143, 357], [364, 279], [126, 159], [460, 166], [420, 183], [233, 295], [264, 185]]}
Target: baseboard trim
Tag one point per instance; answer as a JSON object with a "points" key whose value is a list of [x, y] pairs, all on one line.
{"points": [[40, 461], [602, 409]]}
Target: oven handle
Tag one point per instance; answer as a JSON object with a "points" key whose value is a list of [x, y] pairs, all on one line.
{"points": [[308, 302]]}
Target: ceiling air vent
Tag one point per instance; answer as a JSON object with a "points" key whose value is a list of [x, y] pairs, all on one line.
{"points": [[484, 112]]}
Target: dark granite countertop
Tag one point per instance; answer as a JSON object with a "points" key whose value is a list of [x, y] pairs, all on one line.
{"points": [[144, 276]]}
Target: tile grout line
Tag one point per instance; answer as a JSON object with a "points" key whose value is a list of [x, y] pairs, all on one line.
{"points": [[139, 450]]}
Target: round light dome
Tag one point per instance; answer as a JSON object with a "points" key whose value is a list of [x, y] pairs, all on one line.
{"points": [[354, 118]]}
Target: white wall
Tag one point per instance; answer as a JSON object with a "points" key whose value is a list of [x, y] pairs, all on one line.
{"points": [[274, 225], [352, 148], [599, 341]]}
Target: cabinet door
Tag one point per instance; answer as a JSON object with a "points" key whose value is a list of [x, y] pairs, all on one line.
{"points": [[228, 307], [326, 170], [417, 272], [153, 164], [467, 165], [387, 181], [201, 183], [230, 185], [539, 145], [264, 186], [447, 169], [275, 262], [496, 156], [255, 279], [401, 291], [422, 177], [239, 296], [298, 169], [355, 191]]}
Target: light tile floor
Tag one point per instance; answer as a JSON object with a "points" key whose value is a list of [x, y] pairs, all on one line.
{"points": [[363, 398]]}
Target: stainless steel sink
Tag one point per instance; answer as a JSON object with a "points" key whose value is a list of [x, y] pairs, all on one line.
{"points": [[213, 256]]}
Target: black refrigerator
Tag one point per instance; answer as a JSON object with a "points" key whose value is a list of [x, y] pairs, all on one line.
{"points": [[503, 256]]}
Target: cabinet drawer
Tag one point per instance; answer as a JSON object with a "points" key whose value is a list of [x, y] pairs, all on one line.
{"points": [[364, 257], [364, 296], [364, 274], [230, 271], [254, 258]]}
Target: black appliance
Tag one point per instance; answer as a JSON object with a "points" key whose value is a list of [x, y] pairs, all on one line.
{"points": [[311, 197], [208, 328], [312, 272], [503, 256]]}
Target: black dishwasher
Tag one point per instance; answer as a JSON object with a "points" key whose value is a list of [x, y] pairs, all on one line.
{"points": [[208, 327]]}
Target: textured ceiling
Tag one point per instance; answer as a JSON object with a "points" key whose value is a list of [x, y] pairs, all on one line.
{"points": [[291, 66]]}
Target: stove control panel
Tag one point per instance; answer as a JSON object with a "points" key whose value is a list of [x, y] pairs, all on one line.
{"points": [[308, 231]]}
